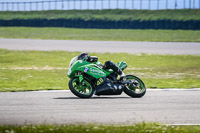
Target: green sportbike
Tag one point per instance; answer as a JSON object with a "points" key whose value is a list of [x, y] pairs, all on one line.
{"points": [[88, 76]]}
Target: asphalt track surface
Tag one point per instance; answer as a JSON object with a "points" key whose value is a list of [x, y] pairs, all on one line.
{"points": [[175, 48], [167, 106]]}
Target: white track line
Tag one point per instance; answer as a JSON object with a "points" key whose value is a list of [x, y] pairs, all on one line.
{"points": [[167, 89]]}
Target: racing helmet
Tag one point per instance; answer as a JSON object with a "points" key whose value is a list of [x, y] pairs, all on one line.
{"points": [[83, 56]]}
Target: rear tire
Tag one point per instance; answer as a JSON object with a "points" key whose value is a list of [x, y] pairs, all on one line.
{"points": [[136, 90], [80, 90]]}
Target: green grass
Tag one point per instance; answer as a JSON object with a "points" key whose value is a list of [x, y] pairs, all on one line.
{"points": [[114, 15], [39, 70], [137, 128], [101, 34]]}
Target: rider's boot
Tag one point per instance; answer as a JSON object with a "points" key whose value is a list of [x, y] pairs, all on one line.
{"points": [[122, 75]]}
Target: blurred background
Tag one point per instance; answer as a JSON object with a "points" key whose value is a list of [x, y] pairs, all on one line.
{"points": [[39, 5], [100, 23]]}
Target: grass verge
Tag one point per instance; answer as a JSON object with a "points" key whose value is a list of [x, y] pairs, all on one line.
{"points": [[101, 34], [39, 70], [112, 15], [137, 128]]}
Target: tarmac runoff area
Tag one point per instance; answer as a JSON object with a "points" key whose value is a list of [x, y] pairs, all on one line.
{"points": [[174, 48], [167, 106]]}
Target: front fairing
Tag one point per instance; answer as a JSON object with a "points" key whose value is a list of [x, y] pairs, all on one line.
{"points": [[91, 69], [72, 62], [74, 65]]}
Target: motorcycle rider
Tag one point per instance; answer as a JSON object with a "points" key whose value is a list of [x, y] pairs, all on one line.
{"points": [[107, 64]]}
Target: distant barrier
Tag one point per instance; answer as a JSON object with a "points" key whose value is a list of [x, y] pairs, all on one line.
{"points": [[27, 5], [104, 24]]}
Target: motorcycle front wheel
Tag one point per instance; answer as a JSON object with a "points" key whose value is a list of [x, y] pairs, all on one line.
{"points": [[136, 89], [83, 89]]}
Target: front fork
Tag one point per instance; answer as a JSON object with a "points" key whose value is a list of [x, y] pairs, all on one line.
{"points": [[80, 77]]}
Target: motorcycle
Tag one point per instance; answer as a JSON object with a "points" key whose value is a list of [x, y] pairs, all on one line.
{"points": [[88, 77]]}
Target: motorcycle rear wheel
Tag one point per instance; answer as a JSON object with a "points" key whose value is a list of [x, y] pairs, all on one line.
{"points": [[83, 89], [135, 90]]}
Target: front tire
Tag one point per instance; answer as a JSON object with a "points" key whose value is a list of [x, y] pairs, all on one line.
{"points": [[135, 90], [82, 90]]}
